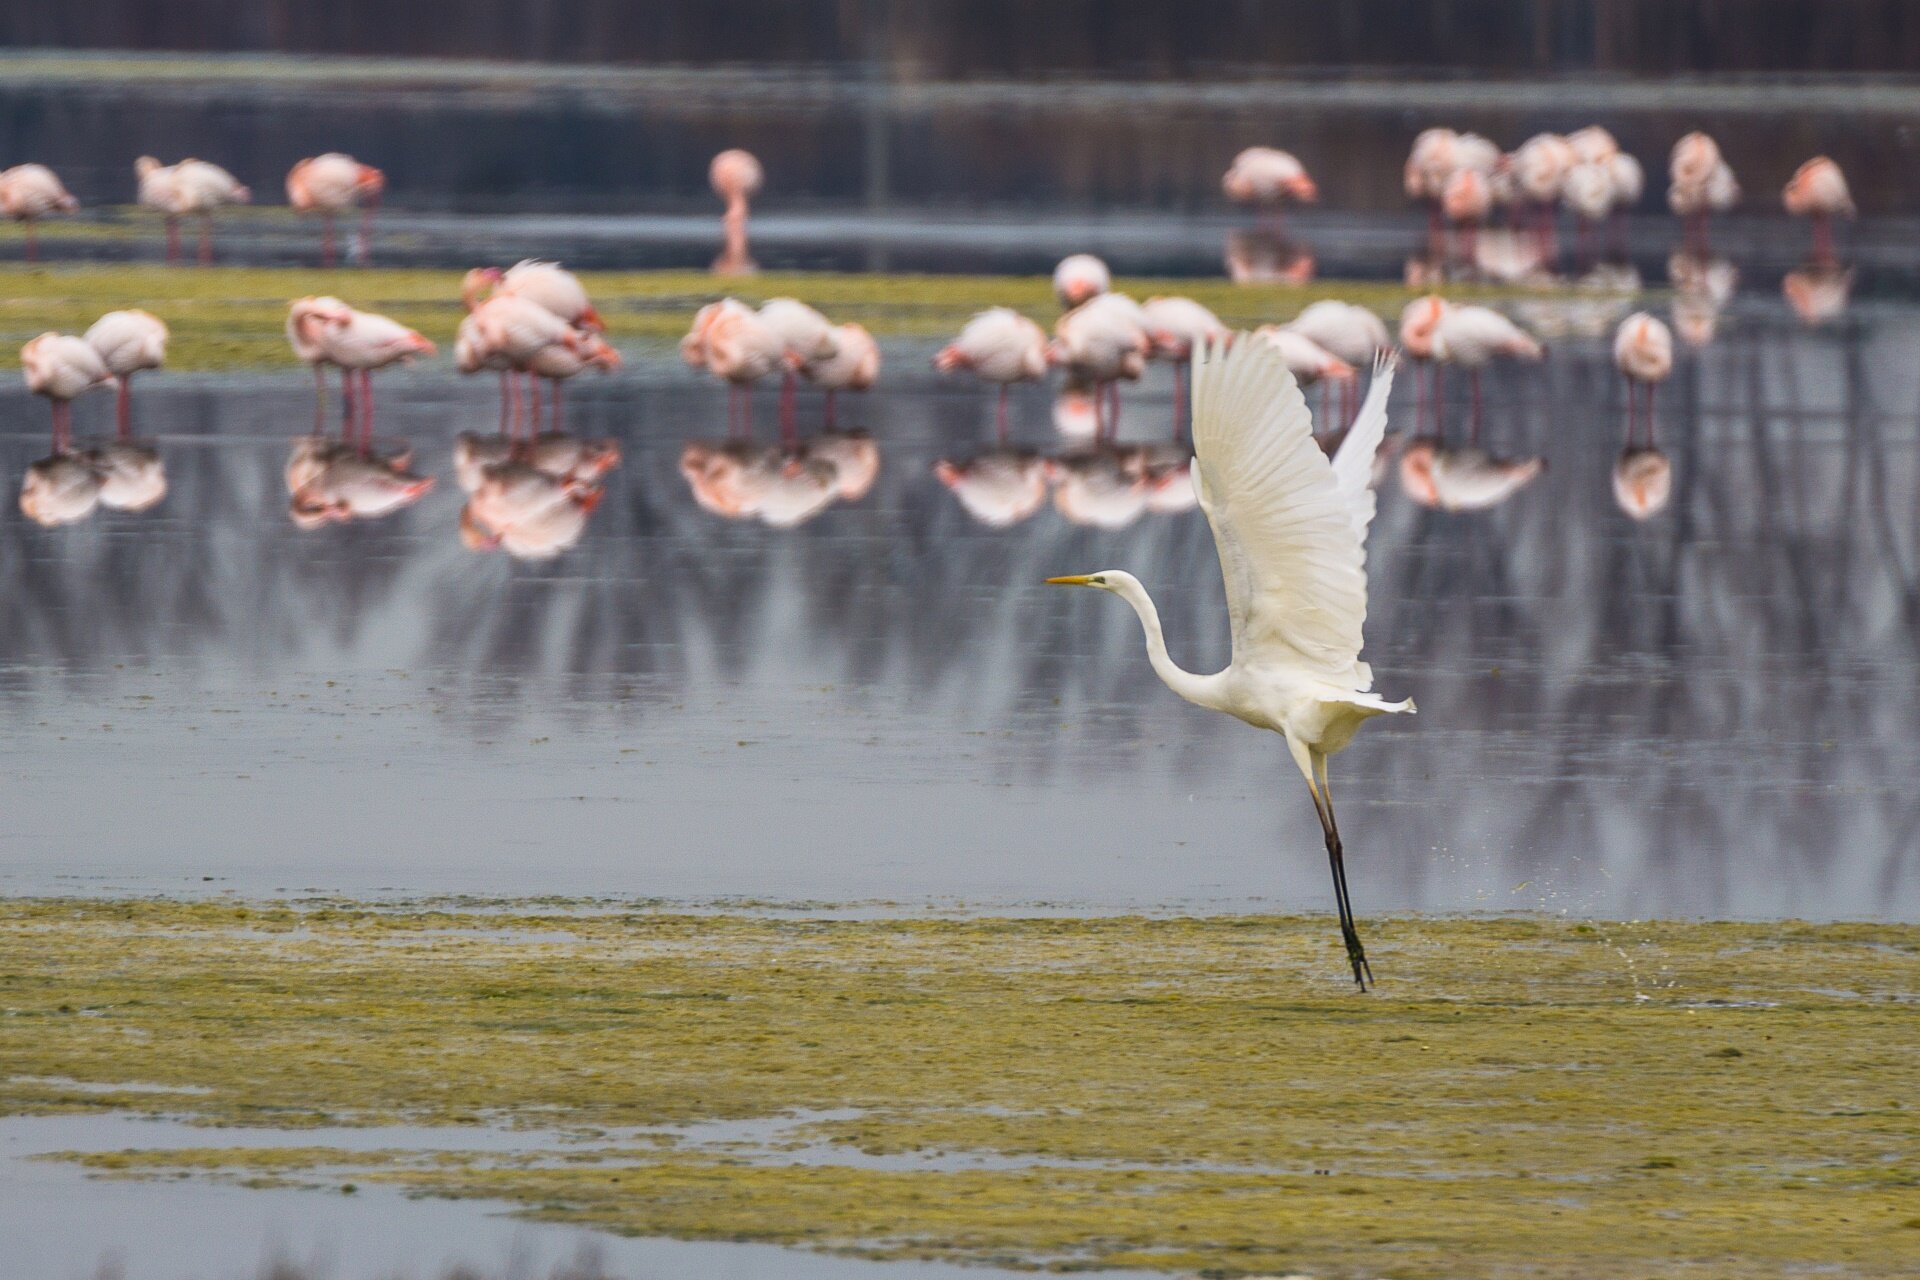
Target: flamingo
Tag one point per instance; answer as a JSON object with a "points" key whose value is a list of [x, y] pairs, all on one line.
{"points": [[1466, 201], [810, 342], [854, 365], [1818, 190], [128, 342], [1540, 166], [1643, 353], [1351, 333], [1267, 178], [1000, 346], [1078, 278], [1430, 163], [184, 189], [1702, 183], [1000, 488], [61, 367], [28, 193], [1175, 326], [331, 184], [559, 361], [1101, 342], [550, 285], [1471, 337], [731, 341], [1307, 360], [509, 332], [326, 331], [736, 177]]}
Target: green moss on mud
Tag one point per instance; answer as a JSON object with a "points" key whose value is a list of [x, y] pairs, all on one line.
{"points": [[234, 317], [1519, 1094]]}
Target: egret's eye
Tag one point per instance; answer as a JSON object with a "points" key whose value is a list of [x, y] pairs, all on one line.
{"points": [[1099, 581]]}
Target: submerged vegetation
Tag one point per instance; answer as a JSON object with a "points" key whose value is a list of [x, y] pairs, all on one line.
{"points": [[1181, 1094], [234, 317]]}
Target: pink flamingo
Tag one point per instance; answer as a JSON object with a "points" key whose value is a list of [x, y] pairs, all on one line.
{"points": [[331, 184], [28, 193], [1471, 337], [736, 177], [1818, 190], [62, 367], [1268, 178], [1174, 326], [1001, 346], [1080, 277], [854, 365], [357, 343], [1101, 342], [128, 342], [185, 189], [1643, 353], [1701, 184], [730, 341], [1351, 333]]}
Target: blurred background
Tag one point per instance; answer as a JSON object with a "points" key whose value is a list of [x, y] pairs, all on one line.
{"points": [[989, 105]]}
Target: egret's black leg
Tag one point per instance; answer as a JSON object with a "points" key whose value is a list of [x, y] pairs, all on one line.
{"points": [[1356, 954]]}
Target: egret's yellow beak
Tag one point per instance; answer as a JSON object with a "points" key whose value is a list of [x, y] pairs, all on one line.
{"points": [[1077, 580]]}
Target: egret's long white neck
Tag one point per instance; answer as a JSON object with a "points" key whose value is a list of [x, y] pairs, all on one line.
{"points": [[1199, 689]]}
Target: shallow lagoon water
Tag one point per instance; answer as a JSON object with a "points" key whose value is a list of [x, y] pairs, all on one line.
{"points": [[1704, 713]]}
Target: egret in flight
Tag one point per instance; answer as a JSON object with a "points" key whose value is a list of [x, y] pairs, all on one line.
{"points": [[1291, 528]]}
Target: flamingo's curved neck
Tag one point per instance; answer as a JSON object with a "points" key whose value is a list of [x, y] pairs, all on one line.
{"points": [[1202, 690]]}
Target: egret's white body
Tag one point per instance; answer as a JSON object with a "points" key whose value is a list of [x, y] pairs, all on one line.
{"points": [[1290, 526]]}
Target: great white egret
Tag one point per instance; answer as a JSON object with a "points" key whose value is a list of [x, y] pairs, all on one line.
{"points": [[1291, 530]]}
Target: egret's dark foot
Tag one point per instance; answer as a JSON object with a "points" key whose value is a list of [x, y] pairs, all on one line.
{"points": [[1357, 957]]}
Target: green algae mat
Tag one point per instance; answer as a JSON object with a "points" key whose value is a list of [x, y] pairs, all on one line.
{"points": [[230, 318], [1184, 1094]]}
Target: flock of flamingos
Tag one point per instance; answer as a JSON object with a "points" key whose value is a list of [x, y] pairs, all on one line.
{"points": [[531, 488]]}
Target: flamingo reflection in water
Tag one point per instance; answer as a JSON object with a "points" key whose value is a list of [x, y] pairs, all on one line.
{"points": [[1818, 292], [1262, 256], [782, 485], [999, 488]]}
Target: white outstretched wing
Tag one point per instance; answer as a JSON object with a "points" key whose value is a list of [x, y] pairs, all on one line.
{"points": [[1353, 463], [1289, 549]]}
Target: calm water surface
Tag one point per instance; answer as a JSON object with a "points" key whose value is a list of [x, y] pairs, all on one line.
{"points": [[1711, 711]]}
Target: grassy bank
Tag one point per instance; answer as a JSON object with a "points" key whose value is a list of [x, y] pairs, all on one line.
{"points": [[234, 317], [1183, 1094]]}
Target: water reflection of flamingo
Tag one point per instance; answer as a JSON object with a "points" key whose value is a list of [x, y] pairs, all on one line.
{"points": [[1000, 346], [1818, 292], [1703, 286], [999, 488], [183, 190], [1462, 478], [61, 368], [128, 342], [1291, 529], [332, 184], [526, 512], [1260, 255], [1098, 487], [338, 483], [59, 489], [1818, 190], [781, 486], [30, 192], [736, 177]]}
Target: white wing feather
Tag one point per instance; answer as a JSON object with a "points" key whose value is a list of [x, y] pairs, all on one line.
{"points": [[1353, 463], [1289, 549]]}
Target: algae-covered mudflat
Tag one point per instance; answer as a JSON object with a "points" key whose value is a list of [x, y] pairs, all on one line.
{"points": [[1183, 1094], [235, 317]]}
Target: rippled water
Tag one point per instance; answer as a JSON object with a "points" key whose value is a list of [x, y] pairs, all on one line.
{"points": [[1709, 711]]}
